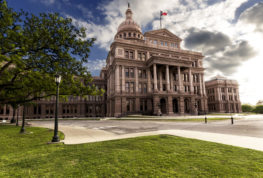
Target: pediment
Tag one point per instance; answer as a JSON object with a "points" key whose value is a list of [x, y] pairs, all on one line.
{"points": [[163, 33]]}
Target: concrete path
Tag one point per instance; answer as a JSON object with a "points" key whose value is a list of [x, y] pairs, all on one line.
{"points": [[79, 135]]}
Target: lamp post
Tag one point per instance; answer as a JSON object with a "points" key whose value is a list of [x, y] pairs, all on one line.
{"points": [[232, 119], [196, 110], [55, 137], [205, 118]]}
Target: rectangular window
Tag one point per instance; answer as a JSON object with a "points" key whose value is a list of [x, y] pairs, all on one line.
{"points": [[140, 73], [132, 73], [175, 88], [127, 87], [140, 88], [139, 56], [143, 56], [162, 43], [165, 43], [144, 74], [126, 72], [145, 88], [131, 55], [155, 42], [127, 54], [131, 87]]}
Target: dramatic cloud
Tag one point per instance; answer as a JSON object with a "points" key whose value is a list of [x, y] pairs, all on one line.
{"points": [[221, 54], [254, 15], [94, 66], [206, 41], [231, 58]]}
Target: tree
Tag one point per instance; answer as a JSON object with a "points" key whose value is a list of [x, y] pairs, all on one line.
{"points": [[247, 108], [34, 49], [258, 109]]}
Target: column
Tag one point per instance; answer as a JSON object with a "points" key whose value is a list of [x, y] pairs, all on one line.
{"points": [[117, 107], [155, 77], [167, 78], [170, 105], [149, 87], [135, 54], [181, 105], [156, 107], [161, 80], [123, 79], [200, 83], [117, 79], [180, 88], [172, 82], [191, 80], [203, 82], [136, 80], [147, 55], [137, 104], [123, 105]]}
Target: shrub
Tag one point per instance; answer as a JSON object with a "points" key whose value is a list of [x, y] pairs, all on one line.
{"points": [[258, 109], [247, 108]]}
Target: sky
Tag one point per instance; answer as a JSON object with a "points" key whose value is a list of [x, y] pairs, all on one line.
{"points": [[229, 33]]}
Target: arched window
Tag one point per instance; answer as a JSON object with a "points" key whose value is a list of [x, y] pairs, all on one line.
{"points": [[124, 35], [120, 36], [129, 34], [134, 34]]}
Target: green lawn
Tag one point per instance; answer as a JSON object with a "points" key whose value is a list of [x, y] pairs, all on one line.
{"points": [[28, 155]]}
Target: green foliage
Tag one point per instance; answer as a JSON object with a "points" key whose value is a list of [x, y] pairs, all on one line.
{"points": [[29, 155], [258, 109], [247, 108], [36, 48]]}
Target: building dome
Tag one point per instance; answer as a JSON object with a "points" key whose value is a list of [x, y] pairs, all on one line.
{"points": [[129, 29]]}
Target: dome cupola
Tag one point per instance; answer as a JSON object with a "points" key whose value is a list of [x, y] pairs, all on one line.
{"points": [[129, 29]]}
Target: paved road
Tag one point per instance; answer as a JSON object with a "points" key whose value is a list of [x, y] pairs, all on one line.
{"points": [[252, 127]]}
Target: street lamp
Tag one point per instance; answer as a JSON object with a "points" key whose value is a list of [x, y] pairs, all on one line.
{"points": [[55, 137], [196, 110]]}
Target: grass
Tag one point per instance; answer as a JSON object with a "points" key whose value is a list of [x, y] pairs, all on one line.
{"points": [[28, 155]]}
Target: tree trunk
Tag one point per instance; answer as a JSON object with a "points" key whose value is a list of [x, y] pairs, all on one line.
{"points": [[13, 120], [23, 120], [17, 115]]}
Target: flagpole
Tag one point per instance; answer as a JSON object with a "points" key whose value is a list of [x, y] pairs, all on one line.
{"points": [[160, 19]]}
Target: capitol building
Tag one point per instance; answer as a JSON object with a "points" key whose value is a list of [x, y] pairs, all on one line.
{"points": [[146, 74]]}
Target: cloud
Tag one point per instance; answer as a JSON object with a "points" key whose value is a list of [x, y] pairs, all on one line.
{"points": [[85, 11], [94, 66], [254, 16], [206, 41], [231, 58], [222, 54], [47, 2]]}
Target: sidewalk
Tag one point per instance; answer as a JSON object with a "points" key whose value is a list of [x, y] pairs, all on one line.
{"points": [[79, 135], [234, 140]]}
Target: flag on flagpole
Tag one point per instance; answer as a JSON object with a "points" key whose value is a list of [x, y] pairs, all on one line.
{"points": [[162, 14]]}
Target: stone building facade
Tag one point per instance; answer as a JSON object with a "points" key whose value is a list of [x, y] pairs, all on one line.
{"points": [[73, 107], [223, 95], [147, 74]]}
